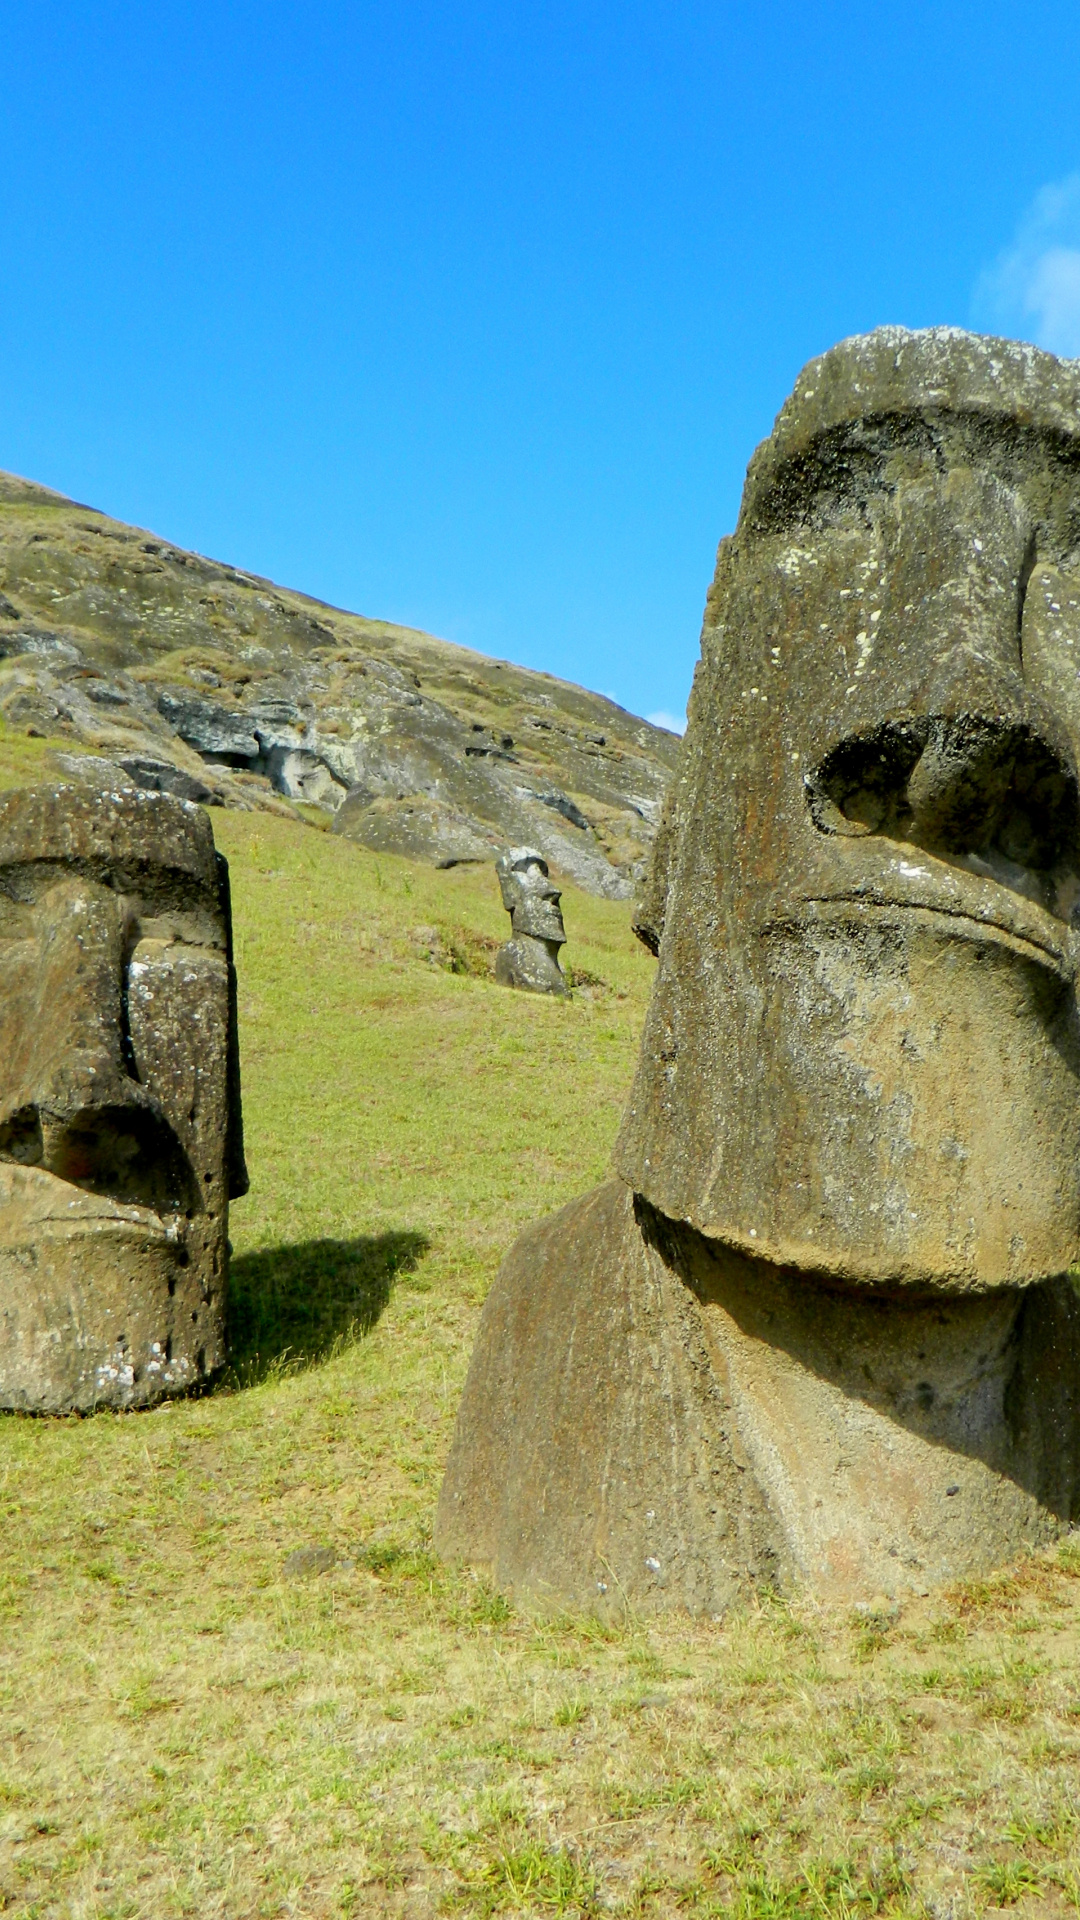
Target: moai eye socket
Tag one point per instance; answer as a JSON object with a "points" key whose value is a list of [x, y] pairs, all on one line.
{"points": [[861, 786]]}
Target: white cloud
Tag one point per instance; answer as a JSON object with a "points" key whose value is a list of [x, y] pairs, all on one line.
{"points": [[667, 720], [1033, 288]]}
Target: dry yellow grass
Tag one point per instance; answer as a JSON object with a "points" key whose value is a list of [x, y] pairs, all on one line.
{"points": [[191, 1722]]}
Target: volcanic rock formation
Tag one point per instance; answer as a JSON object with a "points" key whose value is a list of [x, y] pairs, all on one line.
{"points": [[200, 680], [817, 1327]]}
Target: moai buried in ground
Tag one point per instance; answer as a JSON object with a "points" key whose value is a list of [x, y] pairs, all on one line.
{"points": [[530, 958], [120, 1141], [816, 1330]]}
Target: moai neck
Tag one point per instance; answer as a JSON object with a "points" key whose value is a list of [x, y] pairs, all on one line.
{"points": [[892, 1435]]}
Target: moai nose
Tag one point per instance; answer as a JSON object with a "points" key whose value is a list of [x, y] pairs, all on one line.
{"points": [[982, 783], [75, 1108], [980, 763], [996, 763], [956, 785]]}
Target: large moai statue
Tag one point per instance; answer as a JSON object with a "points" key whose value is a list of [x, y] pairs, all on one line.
{"points": [[816, 1329], [120, 1132]]}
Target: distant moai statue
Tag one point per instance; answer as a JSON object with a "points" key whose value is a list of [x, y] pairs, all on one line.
{"points": [[530, 958], [120, 1128], [816, 1330]]}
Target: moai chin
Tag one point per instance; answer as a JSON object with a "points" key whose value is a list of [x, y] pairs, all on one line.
{"points": [[530, 958], [816, 1330], [120, 1134]]}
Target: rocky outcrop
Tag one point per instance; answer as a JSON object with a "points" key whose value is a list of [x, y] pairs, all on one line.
{"points": [[196, 679]]}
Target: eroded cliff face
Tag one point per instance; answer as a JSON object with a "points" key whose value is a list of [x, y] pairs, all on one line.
{"points": [[197, 679]]}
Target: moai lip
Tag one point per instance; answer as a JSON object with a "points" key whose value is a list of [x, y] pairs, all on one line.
{"points": [[120, 1125], [815, 1330]]}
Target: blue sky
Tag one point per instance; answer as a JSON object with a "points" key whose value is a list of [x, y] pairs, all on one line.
{"points": [[471, 315]]}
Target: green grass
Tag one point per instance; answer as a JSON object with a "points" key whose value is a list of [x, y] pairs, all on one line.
{"points": [[193, 1722], [25, 758]]}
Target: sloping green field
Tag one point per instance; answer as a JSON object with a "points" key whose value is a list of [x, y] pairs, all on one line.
{"points": [[233, 1681]]}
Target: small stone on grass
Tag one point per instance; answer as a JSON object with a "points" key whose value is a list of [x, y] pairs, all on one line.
{"points": [[307, 1560]]}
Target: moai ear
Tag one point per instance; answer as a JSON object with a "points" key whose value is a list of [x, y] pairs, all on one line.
{"points": [[235, 1165], [650, 907]]}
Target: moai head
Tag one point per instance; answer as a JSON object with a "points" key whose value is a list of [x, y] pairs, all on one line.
{"points": [[529, 895], [861, 1058], [120, 1141]]}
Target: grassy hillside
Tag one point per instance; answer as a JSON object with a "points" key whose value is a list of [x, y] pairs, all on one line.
{"points": [[224, 686], [234, 1681]]}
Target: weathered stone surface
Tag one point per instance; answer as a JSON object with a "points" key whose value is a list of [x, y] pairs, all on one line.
{"points": [[220, 735], [531, 965], [304, 1561], [151, 655], [654, 1420], [427, 774], [161, 776], [530, 959], [867, 967], [596, 1457], [120, 1125], [854, 1133], [416, 826]]}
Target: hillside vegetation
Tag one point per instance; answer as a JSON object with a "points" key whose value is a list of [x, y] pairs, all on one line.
{"points": [[217, 685], [234, 1679]]}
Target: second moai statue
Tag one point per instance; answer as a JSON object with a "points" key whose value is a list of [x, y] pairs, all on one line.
{"points": [[530, 958], [817, 1329], [120, 1136]]}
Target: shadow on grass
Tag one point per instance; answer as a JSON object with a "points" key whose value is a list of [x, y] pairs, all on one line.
{"points": [[290, 1307]]}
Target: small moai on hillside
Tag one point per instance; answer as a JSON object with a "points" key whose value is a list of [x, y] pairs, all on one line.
{"points": [[120, 1125], [815, 1330], [530, 958]]}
